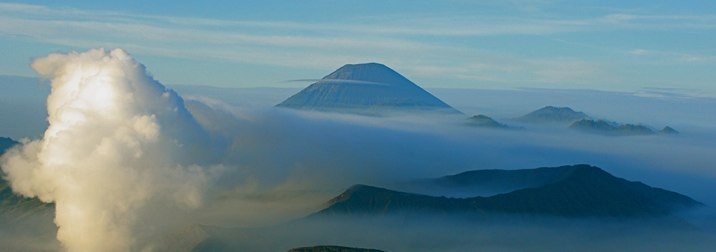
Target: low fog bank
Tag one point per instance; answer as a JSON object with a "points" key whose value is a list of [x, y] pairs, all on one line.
{"points": [[432, 233], [647, 106], [333, 151], [285, 164], [275, 155]]}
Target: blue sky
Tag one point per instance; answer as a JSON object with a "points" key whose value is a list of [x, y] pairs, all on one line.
{"points": [[604, 45]]}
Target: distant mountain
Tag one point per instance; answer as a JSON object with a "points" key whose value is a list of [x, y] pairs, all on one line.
{"points": [[551, 114], [668, 131], [569, 191], [332, 249], [611, 128], [365, 88], [485, 122]]}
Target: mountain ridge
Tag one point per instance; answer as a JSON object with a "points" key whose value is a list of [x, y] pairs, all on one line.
{"points": [[611, 128], [584, 191], [605, 127]]}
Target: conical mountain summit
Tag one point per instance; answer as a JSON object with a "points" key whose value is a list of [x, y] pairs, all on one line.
{"points": [[366, 88]]}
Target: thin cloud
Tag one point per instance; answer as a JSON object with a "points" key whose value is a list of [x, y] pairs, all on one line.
{"points": [[672, 56], [406, 41], [240, 31], [639, 52]]}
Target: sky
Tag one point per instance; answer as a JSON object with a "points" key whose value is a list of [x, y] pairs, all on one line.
{"points": [[602, 45]]}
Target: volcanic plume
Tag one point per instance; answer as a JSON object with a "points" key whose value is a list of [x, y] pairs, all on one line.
{"points": [[119, 158]]}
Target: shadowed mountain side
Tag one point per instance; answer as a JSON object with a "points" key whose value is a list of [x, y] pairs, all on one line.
{"points": [[489, 182], [586, 191], [590, 191], [366, 88]]}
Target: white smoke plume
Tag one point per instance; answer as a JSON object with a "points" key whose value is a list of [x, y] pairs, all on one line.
{"points": [[120, 158]]}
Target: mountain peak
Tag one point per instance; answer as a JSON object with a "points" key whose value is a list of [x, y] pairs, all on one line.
{"points": [[373, 66], [369, 73], [669, 131], [368, 88]]}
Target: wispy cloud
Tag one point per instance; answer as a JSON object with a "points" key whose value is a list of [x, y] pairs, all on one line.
{"points": [[639, 52], [663, 21], [672, 56], [422, 46]]}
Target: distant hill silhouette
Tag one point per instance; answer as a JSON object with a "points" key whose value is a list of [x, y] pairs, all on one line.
{"points": [[366, 88], [611, 128], [567, 191], [485, 122], [551, 114], [491, 181], [582, 122], [668, 131]]}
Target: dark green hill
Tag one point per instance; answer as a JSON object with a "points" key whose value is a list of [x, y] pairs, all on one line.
{"points": [[369, 200], [574, 191]]}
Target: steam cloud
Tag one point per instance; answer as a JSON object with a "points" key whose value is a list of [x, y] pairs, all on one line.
{"points": [[119, 158]]}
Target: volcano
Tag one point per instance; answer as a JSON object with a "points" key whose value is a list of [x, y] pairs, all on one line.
{"points": [[369, 88]]}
